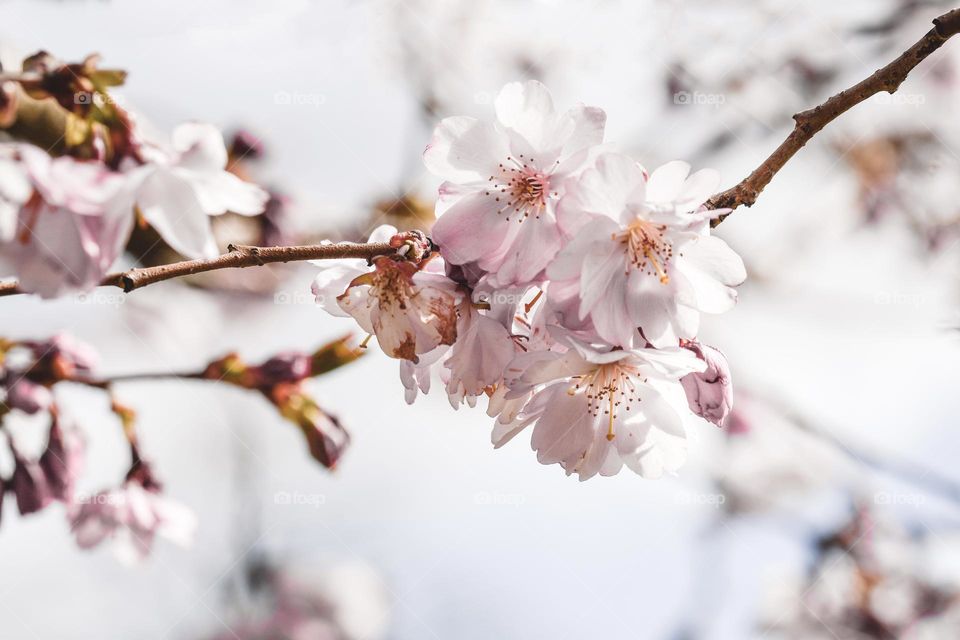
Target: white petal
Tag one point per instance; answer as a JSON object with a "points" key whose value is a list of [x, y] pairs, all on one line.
{"points": [[332, 282], [584, 126], [666, 182], [698, 187], [712, 267], [527, 108], [383, 233], [465, 150], [471, 229], [170, 204], [221, 191], [201, 147]]}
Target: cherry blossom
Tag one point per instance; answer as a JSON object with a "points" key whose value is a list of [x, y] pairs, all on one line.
{"points": [[497, 206], [595, 411], [410, 310], [71, 227], [641, 252], [179, 187], [477, 359], [132, 515]]}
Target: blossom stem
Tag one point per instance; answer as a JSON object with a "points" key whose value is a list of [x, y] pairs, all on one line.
{"points": [[808, 123], [237, 256]]}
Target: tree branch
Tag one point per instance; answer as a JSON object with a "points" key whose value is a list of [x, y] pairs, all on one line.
{"points": [[238, 256], [809, 122]]}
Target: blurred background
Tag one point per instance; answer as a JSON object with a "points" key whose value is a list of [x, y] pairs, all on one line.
{"points": [[829, 506]]}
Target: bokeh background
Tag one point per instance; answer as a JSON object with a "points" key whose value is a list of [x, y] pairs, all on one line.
{"points": [[844, 346]]}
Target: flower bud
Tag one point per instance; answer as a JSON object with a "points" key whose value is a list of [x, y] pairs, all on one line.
{"points": [[62, 460], [283, 367], [710, 392], [28, 396], [60, 358], [29, 485]]}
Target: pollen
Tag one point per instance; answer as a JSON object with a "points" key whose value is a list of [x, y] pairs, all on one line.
{"points": [[648, 248], [521, 189], [608, 389]]}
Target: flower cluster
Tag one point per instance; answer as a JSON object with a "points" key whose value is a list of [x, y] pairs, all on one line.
{"points": [[566, 285], [65, 220]]}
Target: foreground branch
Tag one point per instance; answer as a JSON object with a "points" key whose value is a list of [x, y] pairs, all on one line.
{"points": [[809, 122], [238, 256]]}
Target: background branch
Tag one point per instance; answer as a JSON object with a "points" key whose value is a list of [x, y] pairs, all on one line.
{"points": [[809, 122]]}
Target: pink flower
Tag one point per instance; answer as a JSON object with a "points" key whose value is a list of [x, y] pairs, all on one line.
{"points": [[709, 392], [497, 206], [410, 310], [594, 411], [480, 355], [641, 254], [70, 229], [133, 516], [180, 187]]}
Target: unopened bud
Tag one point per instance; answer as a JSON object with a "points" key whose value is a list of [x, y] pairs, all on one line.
{"points": [[710, 392]]}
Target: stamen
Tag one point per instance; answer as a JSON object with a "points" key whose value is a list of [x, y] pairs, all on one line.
{"points": [[524, 188], [647, 249]]}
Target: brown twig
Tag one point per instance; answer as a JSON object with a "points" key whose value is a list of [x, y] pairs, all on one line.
{"points": [[809, 122], [237, 256]]}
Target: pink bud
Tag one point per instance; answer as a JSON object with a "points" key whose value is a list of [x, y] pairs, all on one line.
{"points": [[283, 368], [29, 485], [326, 438], [28, 396], [710, 392], [62, 461]]}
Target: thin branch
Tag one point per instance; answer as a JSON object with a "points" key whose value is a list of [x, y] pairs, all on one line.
{"points": [[809, 122], [238, 256], [921, 476], [106, 383]]}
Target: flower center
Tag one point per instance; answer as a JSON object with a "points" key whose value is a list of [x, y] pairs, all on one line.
{"points": [[608, 388], [521, 188], [647, 248]]}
